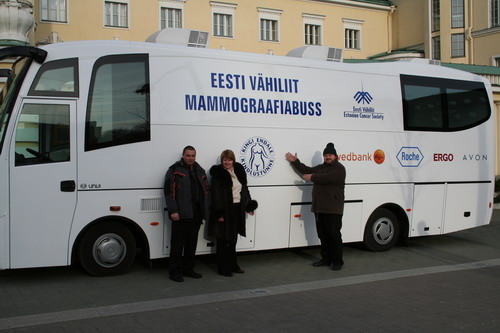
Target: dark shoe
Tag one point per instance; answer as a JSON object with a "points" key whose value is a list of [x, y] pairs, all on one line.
{"points": [[337, 267], [238, 270], [192, 274], [226, 274], [176, 277], [320, 263]]}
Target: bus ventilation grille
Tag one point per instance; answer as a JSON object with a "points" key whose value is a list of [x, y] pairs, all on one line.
{"points": [[151, 204]]}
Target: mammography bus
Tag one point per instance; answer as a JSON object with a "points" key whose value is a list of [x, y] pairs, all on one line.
{"points": [[88, 129]]}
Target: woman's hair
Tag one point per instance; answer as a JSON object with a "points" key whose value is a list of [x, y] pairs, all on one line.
{"points": [[227, 154]]}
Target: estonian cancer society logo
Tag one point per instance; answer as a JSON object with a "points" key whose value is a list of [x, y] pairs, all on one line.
{"points": [[257, 156], [363, 97], [363, 109]]}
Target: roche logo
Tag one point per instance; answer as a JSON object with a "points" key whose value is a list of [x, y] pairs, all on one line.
{"points": [[363, 97], [257, 156], [410, 156]]}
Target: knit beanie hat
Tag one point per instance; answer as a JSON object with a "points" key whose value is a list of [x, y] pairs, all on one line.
{"points": [[330, 149]]}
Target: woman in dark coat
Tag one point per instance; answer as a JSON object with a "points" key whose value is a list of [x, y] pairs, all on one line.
{"points": [[230, 202]]}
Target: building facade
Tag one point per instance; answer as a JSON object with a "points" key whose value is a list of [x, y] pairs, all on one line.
{"points": [[452, 31], [361, 28], [464, 34]]}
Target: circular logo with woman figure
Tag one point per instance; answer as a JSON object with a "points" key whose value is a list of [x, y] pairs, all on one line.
{"points": [[257, 156]]}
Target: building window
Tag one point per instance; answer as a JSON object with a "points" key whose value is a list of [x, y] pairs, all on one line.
{"points": [[496, 61], [352, 39], [352, 34], [54, 10], [312, 34], [223, 19], [457, 45], [223, 25], [171, 13], [436, 48], [171, 18], [269, 30], [269, 22], [457, 13], [116, 14], [495, 13], [313, 26], [436, 17]]}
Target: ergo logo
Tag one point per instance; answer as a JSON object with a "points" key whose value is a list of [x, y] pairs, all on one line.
{"points": [[439, 157]]}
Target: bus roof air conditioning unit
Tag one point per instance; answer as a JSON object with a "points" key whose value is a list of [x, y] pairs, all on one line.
{"points": [[198, 38], [317, 52], [185, 37], [422, 61]]}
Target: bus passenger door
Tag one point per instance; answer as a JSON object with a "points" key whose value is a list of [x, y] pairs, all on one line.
{"points": [[42, 183]]}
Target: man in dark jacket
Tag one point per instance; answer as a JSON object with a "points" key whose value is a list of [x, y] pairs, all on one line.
{"points": [[327, 203], [187, 197]]}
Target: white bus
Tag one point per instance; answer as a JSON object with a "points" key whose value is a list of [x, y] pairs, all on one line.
{"points": [[88, 130]]}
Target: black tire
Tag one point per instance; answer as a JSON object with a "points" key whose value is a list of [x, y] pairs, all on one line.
{"points": [[381, 231], [107, 248]]}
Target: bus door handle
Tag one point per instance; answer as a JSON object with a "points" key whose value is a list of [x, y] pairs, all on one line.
{"points": [[68, 186]]}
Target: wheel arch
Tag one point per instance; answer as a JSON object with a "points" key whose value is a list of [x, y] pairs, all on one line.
{"points": [[403, 221], [139, 235]]}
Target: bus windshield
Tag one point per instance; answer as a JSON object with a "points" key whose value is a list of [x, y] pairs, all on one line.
{"points": [[8, 94]]}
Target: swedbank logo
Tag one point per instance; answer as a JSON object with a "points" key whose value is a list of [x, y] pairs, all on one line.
{"points": [[257, 156], [378, 157]]}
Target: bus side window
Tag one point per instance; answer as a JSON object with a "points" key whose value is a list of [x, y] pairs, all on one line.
{"points": [[118, 105], [42, 134], [57, 78], [424, 107], [435, 104], [466, 107]]}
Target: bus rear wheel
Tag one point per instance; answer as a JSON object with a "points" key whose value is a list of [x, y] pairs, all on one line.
{"points": [[107, 249], [381, 231]]}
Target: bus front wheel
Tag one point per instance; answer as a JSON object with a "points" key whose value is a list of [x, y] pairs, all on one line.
{"points": [[107, 249], [381, 231]]}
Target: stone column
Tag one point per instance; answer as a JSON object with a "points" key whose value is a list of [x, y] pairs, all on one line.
{"points": [[16, 21]]}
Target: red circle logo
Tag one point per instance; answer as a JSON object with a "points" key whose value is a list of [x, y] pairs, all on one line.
{"points": [[379, 156]]}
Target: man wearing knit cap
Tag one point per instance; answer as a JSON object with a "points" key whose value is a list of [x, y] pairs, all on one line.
{"points": [[327, 203]]}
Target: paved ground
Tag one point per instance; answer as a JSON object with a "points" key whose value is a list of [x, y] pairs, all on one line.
{"points": [[447, 283]]}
